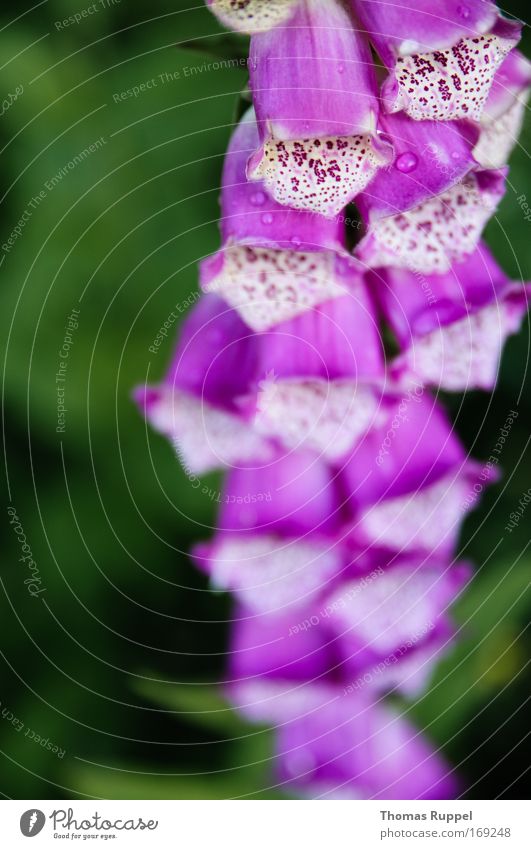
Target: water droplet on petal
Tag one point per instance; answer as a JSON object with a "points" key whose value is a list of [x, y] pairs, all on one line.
{"points": [[341, 68], [267, 218], [296, 242], [407, 162], [258, 199], [463, 11]]}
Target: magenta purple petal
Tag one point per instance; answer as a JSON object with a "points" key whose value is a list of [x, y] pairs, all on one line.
{"points": [[422, 26]]}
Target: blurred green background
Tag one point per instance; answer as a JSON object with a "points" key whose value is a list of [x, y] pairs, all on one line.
{"points": [[101, 663]]}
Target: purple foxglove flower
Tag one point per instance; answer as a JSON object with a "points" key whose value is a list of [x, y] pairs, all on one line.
{"points": [[314, 91], [195, 404], [451, 327], [391, 625], [289, 645], [441, 61], [252, 16], [410, 480], [429, 158], [438, 232], [322, 376], [331, 744], [422, 26], [275, 545], [349, 749], [504, 111], [275, 262], [426, 520]]}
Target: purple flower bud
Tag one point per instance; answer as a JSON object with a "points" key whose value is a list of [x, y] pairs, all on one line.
{"points": [[314, 91]]}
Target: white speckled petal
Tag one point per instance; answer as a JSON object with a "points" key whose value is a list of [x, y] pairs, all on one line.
{"points": [[498, 137], [322, 175], [252, 16], [269, 572], [268, 286], [426, 520], [447, 84], [205, 437], [464, 355], [329, 417], [436, 233]]}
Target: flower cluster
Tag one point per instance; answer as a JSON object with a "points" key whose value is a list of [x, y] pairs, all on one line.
{"points": [[310, 371]]}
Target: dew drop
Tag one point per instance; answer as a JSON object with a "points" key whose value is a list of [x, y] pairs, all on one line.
{"points": [[407, 162], [463, 11], [267, 218], [258, 199], [296, 242], [341, 68]]}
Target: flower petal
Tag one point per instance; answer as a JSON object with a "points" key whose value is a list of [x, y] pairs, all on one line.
{"points": [[418, 26], [351, 748], [429, 158], [315, 98], [269, 286], [381, 625], [313, 77], [504, 111], [464, 355], [428, 520], [252, 16], [249, 216], [204, 437], [321, 174], [328, 417], [453, 83], [438, 232], [336, 339], [293, 495], [269, 573], [451, 327], [284, 645]]}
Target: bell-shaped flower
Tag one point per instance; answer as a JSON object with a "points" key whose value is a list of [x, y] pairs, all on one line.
{"points": [[195, 405], [392, 624], [410, 481], [315, 96], [442, 56], [274, 262], [276, 539], [451, 327], [322, 376], [439, 231], [334, 745]]}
